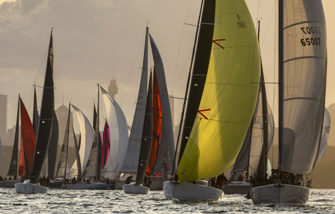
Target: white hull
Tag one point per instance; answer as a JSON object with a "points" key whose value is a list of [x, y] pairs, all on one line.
{"points": [[135, 189], [190, 192], [29, 188], [284, 194]]}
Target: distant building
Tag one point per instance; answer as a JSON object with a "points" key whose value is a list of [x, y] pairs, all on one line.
{"points": [[3, 115], [112, 88]]}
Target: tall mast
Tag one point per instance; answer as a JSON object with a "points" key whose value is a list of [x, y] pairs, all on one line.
{"points": [[97, 137], [68, 135], [280, 81]]}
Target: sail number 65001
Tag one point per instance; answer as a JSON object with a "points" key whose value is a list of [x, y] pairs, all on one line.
{"points": [[310, 42]]}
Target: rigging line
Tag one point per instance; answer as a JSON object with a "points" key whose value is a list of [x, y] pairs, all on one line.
{"points": [[179, 48], [132, 70]]}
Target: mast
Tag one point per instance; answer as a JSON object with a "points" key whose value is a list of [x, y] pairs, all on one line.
{"points": [[14, 161], [97, 138], [35, 112], [280, 82], [262, 167], [46, 120]]}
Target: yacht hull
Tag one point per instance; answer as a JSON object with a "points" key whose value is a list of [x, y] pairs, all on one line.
{"points": [[191, 192], [135, 189], [29, 188], [283, 194]]}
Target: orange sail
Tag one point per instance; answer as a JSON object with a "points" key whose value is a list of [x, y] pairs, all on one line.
{"points": [[22, 169], [157, 126], [28, 139]]}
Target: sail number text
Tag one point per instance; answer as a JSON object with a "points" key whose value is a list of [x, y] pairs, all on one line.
{"points": [[311, 41], [313, 31]]}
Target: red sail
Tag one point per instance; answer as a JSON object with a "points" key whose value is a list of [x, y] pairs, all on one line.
{"points": [[28, 138], [22, 169], [157, 127]]}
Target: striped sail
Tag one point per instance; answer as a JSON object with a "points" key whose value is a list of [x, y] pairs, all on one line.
{"points": [[229, 96], [304, 83]]}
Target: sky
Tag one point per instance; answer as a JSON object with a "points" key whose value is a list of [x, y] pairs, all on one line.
{"points": [[98, 40]]}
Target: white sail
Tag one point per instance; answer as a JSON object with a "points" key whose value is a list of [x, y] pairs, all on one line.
{"points": [[118, 134], [133, 151], [324, 136], [87, 137], [304, 83], [167, 129]]}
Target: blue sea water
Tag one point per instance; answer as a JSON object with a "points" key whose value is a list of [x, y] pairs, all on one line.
{"points": [[115, 201]]}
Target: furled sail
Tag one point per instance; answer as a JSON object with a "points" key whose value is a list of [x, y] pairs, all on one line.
{"points": [[13, 166], [47, 111], [63, 157], [167, 138], [119, 136], [105, 145], [304, 83], [28, 138], [146, 137], [157, 126], [87, 137], [53, 147], [131, 160], [229, 96], [324, 136]]}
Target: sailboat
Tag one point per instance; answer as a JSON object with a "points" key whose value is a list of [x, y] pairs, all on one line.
{"points": [[302, 86], [146, 144], [45, 127], [221, 100], [324, 136], [162, 150], [252, 160]]}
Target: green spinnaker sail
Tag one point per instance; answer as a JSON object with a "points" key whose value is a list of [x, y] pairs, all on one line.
{"points": [[229, 97]]}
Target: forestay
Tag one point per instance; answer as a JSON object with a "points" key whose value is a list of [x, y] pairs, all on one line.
{"points": [[304, 83]]}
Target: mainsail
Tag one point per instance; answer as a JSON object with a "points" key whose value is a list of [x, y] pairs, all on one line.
{"points": [[28, 139], [53, 147], [202, 50], [118, 134], [131, 160], [303, 84], [146, 141], [12, 171], [229, 96], [46, 119]]}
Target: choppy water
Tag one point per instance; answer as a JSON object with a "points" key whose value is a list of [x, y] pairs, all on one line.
{"points": [[71, 201]]}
